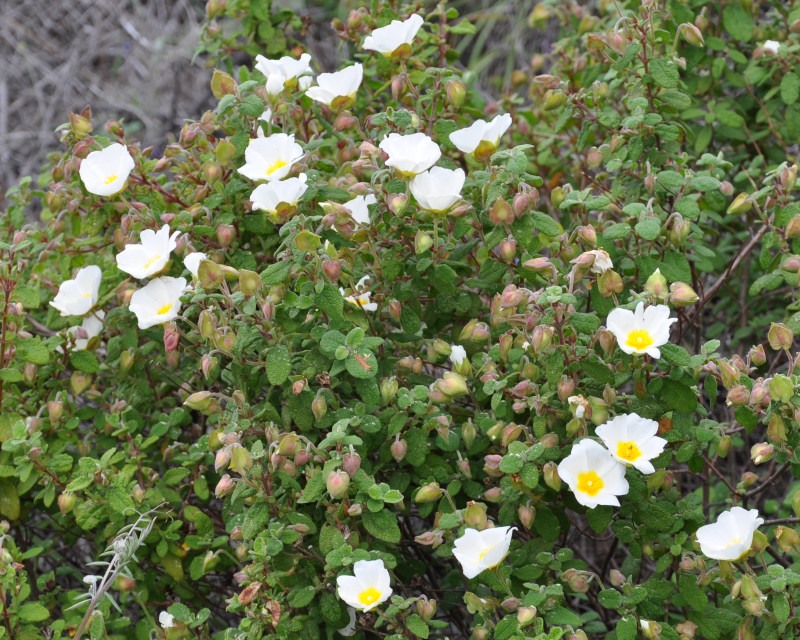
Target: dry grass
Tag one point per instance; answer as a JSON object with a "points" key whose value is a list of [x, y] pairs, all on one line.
{"points": [[127, 59]]}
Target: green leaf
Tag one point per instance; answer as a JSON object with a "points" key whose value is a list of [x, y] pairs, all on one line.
{"points": [[648, 228], [586, 323], [278, 364], [627, 629], [382, 525], [276, 273], [33, 612], [315, 487], [737, 22], [33, 350], [330, 302], [676, 355], [665, 73], [780, 606], [417, 626], [545, 224], [362, 364], [331, 341], [610, 598], [84, 361], [301, 596], [790, 88]]}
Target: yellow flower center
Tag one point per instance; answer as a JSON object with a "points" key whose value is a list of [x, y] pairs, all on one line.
{"points": [[86, 295], [369, 596], [278, 164], [484, 552], [151, 261], [733, 542], [111, 178], [628, 451], [639, 339], [590, 483], [165, 309], [358, 301]]}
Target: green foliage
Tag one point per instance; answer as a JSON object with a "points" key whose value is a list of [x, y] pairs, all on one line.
{"points": [[283, 428]]}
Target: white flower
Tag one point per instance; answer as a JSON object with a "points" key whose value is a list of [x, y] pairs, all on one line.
{"points": [[593, 474], [367, 588], [358, 207], [90, 327], [438, 189], [266, 115], [270, 196], [77, 296], [151, 255], [390, 40], [280, 72], [340, 86], [193, 260], [602, 261], [158, 302], [481, 550], [166, 620], [731, 536], [632, 440], [104, 172], [481, 135], [360, 297], [641, 331], [411, 154], [457, 354], [771, 46], [270, 158]]}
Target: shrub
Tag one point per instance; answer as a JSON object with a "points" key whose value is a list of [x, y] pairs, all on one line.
{"points": [[358, 383]]}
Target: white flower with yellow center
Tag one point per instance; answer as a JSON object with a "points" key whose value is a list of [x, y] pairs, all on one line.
{"points": [[438, 189], [395, 38], [632, 440], [593, 474], [731, 536], [283, 71], [361, 297], [367, 588], [77, 296], [158, 302], [641, 331], [270, 158], [151, 254], [481, 137], [771, 46], [358, 207], [339, 88], [411, 154], [602, 261], [193, 260], [104, 172], [269, 197], [481, 550], [166, 620]]}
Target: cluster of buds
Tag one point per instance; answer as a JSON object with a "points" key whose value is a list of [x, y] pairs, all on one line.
{"points": [[449, 387]]}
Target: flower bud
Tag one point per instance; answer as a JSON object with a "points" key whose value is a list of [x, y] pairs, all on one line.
{"points": [[397, 203], [691, 34], [475, 331], [748, 479], [203, 402], [398, 449], [337, 484], [475, 515], [80, 125], [332, 269], [741, 204], [351, 462], [501, 212], [793, 228], [762, 452], [788, 177], [225, 486], [542, 338], [222, 84], [354, 510], [249, 282], [726, 188], [426, 608], [422, 242], [526, 514], [319, 407], [554, 99], [565, 387], [55, 409], [682, 295], [780, 337], [468, 433], [757, 356], [609, 283], [738, 395], [787, 538], [66, 502], [493, 495], [577, 580], [781, 388], [211, 276], [241, 460], [430, 538], [551, 478], [526, 615], [456, 91], [452, 385], [656, 285], [723, 446], [225, 234], [428, 493]]}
